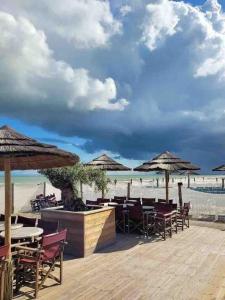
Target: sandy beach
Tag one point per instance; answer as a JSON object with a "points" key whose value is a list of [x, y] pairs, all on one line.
{"points": [[204, 204]]}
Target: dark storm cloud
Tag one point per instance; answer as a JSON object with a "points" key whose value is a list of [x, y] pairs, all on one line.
{"points": [[166, 58]]}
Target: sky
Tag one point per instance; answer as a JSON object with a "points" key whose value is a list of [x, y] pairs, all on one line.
{"points": [[128, 78]]}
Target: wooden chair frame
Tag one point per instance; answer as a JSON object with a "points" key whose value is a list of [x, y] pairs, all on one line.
{"points": [[34, 266]]}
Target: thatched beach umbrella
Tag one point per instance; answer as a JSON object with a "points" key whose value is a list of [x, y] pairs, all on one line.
{"points": [[189, 173], [220, 169], [18, 152], [168, 163], [106, 163]]}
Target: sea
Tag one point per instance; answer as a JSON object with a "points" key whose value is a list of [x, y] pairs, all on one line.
{"points": [[19, 179]]}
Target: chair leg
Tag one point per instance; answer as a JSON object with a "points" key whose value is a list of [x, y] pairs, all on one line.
{"points": [[36, 280], [2, 285], [61, 268]]}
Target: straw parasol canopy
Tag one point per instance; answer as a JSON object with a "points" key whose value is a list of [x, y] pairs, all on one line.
{"points": [[220, 168], [26, 153], [167, 162], [18, 152], [104, 162]]}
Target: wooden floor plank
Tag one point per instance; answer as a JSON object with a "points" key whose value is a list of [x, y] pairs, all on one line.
{"points": [[190, 266]]}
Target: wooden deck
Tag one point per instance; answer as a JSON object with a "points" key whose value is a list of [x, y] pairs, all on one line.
{"points": [[191, 265]]}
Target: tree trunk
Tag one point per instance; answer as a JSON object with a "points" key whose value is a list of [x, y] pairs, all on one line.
{"points": [[70, 200]]}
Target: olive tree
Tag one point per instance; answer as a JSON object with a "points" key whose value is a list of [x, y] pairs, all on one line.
{"points": [[70, 179]]}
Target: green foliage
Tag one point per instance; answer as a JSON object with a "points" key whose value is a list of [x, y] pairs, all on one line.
{"points": [[70, 177]]}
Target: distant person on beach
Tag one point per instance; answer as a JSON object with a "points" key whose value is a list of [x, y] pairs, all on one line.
{"points": [[115, 181], [141, 180], [131, 181]]}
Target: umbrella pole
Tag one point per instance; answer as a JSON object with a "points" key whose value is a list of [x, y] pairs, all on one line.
{"points": [[8, 211], [8, 204], [167, 185]]}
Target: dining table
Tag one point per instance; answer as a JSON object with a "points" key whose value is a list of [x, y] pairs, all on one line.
{"points": [[13, 226], [23, 233]]}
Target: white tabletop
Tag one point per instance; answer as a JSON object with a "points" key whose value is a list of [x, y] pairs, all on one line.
{"points": [[148, 207], [24, 232], [13, 226]]}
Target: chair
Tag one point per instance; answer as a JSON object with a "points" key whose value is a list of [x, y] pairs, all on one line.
{"points": [[27, 222], [183, 216], [102, 200], [135, 219], [135, 201], [164, 201], [120, 216], [48, 226], [119, 199], [39, 263], [3, 253], [163, 224], [148, 201]]}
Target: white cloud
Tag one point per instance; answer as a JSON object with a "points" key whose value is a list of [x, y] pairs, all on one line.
{"points": [[30, 72], [84, 23], [166, 57]]}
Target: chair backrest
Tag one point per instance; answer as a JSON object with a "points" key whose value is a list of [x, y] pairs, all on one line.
{"points": [[102, 200], [27, 222], [52, 245], [135, 213], [119, 215], [165, 207], [119, 198], [162, 200], [91, 202], [133, 201], [3, 252], [148, 201], [48, 226], [119, 201]]}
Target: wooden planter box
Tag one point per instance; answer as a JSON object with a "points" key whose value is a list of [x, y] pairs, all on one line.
{"points": [[88, 231]]}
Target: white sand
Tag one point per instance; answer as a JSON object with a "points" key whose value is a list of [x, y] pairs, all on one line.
{"points": [[202, 203]]}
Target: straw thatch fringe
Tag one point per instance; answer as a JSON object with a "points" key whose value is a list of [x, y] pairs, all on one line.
{"points": [[26, 153], [104, 162]]}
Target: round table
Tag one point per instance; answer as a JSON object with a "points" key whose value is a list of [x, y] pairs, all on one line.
{"points": [[13, 226], [24, 233]]}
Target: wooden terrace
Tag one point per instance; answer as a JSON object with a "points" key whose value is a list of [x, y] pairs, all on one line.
{"points": [[191, 265]]}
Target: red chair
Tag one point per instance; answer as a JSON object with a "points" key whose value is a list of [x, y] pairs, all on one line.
{"points": [[148, 201], [3, 253], [48, 227], [37, 264], [102, 200], [135, 201], [119, 199], [27, 222]]}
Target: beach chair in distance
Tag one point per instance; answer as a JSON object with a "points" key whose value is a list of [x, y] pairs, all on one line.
{"points": [[3, 253], [41, 262]]}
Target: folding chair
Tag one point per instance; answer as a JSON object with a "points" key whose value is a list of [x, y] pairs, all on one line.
{"points": [[37, 264], [3, 252]]}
